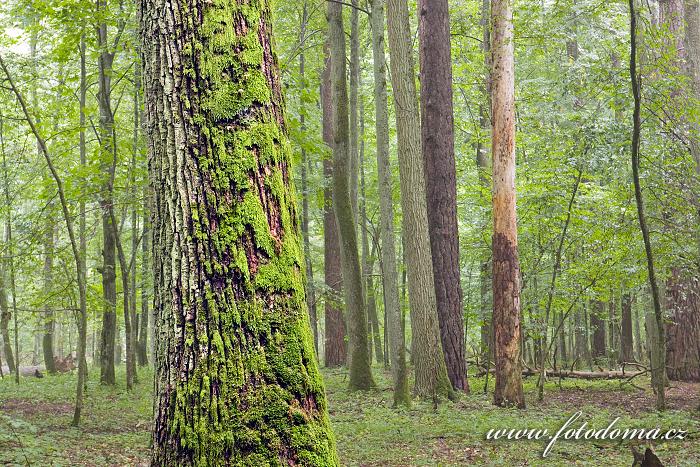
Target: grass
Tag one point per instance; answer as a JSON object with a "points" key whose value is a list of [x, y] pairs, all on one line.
{"points": [[35, 424]]}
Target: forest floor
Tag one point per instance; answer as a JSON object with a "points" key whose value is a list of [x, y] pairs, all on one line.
{"points": [[35, 418]]}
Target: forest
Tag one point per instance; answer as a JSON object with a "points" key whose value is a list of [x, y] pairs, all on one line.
{"points": [[349, 232]]}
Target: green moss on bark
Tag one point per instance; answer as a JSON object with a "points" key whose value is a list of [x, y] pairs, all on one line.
{"points": [[238, 381]]}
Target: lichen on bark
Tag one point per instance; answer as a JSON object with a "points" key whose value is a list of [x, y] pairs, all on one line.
{"points": [[236, 377]]}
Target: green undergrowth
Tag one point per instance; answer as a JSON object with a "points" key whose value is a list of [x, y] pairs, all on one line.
{"points": [[35, 418]]}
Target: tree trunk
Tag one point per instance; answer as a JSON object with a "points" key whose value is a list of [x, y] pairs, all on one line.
{"points": [[432, 380], [145, 274], [5, 311], [354, 141], [5, 317], [659, 362], [483, 163], [437, 132], [135, 228], [359, 358], [683, 297], [305, 164], [107, 142], [81, 257], [335, 346], [506, 266], [367, 256], [626, 339], [236, 377], [396, 344], [692, 47], [598, 346]]}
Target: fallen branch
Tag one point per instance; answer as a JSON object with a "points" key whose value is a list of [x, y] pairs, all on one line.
{"points": [[589, 375]]}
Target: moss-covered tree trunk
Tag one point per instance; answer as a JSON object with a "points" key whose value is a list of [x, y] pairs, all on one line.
{"points": [[236, 380], [395, 345], [335, 349], [356, 313], [431, 373], [506, 265]]}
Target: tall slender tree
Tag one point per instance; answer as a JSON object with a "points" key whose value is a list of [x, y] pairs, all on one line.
{"points": [[506, 264], [396, 345], [359, 358], [335, 350]]}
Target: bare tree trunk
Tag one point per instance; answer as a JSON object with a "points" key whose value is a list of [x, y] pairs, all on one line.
{"points": [[437, 131], [396, 344], [432, 380], [234, 358], [506, 265]]}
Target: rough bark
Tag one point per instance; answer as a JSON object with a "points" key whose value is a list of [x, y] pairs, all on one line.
{"points": [[335, 349], [396, 344], [355, 307], [437, 135], [506, 265], [431, 372], [236, 377], [683, 346]]}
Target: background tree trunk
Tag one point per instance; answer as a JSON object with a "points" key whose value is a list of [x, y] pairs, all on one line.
{"points": [[108, 268], [626, 337], [335, 348], [395, 345], [305, 164]]}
